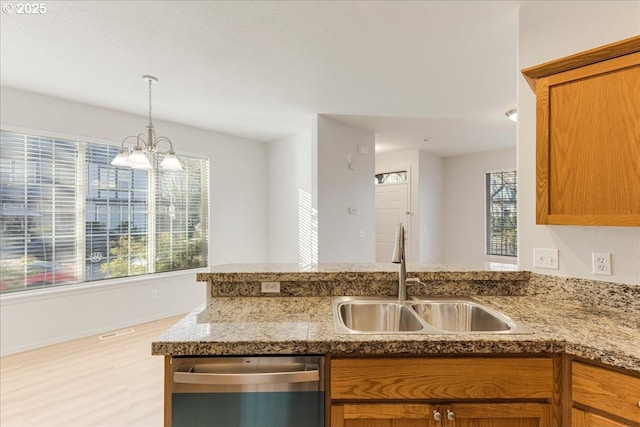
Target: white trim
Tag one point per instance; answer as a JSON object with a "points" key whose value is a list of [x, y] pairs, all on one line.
{"points": [[501, 258]]}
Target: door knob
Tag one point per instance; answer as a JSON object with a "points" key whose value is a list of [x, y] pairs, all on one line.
{"points": [[451, 415], [437, 415]]}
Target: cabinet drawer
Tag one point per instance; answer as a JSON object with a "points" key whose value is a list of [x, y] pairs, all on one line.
{"points": [[441, 378], [609, 391]]}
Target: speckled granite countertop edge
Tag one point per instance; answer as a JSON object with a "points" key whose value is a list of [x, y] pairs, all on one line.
{"points": [[304, 325], [346, 271]]}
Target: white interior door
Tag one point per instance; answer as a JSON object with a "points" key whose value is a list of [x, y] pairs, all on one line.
{"points": [[392, 207]]}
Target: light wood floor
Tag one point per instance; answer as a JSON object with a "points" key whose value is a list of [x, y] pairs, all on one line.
{"points": [[86, 382]]}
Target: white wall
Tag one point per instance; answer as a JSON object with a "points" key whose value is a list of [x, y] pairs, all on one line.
{"points": [[464, 204], [289, 183], [432, 194], [237, 225], [343, 237], [547, 31]]}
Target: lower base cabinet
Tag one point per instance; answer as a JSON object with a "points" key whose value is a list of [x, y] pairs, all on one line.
{"points": [[441, 415], [443, 392], [603, 397], [380, 415], [582, 418]]}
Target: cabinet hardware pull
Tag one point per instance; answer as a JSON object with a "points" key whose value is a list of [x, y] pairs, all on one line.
{"points": [[191, 377], [437, 415], [638, 403], [451, 415]]}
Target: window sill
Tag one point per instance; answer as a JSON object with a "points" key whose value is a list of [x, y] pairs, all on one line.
{"points": [[97, 286]]}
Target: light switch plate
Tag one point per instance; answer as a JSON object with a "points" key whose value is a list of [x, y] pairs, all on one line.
{"points": [[545, 258]]}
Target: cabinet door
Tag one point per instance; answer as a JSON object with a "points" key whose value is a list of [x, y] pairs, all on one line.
{"points": [[588, 147], [496, 415], [608, 391], [381, 415], [580, 418], [450, 415]]}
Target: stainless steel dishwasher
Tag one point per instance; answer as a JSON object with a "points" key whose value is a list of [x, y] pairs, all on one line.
{"points": [[268, 391]]}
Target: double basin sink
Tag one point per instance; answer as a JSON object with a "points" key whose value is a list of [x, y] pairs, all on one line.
{"points": [[432, 315]]}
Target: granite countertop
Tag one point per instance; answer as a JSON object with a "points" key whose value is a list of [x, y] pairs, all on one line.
{"points": [[265, 325]]}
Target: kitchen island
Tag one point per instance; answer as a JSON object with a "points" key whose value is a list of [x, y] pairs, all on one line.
{"points": [[574, 321]]}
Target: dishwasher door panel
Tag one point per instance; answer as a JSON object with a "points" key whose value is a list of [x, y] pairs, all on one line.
{"points": [[270, 409], [273, 391]]}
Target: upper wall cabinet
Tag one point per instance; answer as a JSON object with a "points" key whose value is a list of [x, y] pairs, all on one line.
{"points": [[588, 136]]}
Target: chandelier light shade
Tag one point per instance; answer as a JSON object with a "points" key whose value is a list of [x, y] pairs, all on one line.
{"points": [[144, 144]]}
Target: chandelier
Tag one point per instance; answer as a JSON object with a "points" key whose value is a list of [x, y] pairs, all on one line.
{"points": [[137, 158]]}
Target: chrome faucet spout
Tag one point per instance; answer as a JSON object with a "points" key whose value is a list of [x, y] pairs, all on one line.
{"points": [[399, 258]]}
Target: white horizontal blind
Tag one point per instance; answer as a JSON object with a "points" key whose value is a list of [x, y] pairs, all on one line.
{"points": [[68, 216], [181, 216], [116, 216], [38, 211], [502, 214]]}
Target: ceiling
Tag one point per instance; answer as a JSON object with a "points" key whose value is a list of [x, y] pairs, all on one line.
{"points": [[445, 71]]}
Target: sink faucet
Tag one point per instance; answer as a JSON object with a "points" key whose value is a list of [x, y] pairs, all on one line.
{"points": [[399, 258]]}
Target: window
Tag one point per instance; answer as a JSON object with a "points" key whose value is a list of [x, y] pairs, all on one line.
{"points": [[68, 216], [502, 214], [391, 177]]}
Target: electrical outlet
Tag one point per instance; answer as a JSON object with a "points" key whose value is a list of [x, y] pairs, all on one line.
{"points": [[601, 263], [154, 293], [545, 258], [270, 287]]}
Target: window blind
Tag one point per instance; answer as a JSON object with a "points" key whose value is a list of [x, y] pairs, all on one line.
{"points": [[502, 214], [37, 211], [181, 216], [68, 216]]}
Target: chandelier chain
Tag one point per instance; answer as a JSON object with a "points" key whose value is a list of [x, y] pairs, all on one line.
{"points": [[150, 121]]}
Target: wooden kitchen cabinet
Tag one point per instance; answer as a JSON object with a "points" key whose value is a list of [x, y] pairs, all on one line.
{"points": [[443, 415], [603, 397], [381, 415], [582, 418], [442, 392], [496, 415], [588, 136]]}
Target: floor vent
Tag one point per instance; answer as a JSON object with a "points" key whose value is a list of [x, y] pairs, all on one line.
{"points": [[110, 335]]}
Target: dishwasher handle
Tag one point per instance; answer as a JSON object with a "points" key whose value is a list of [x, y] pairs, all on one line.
{"points": [[191, 377]]}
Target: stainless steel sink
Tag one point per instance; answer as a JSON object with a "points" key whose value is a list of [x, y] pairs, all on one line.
{"points": [[462, 315], [433, 315], [376, 316]]}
